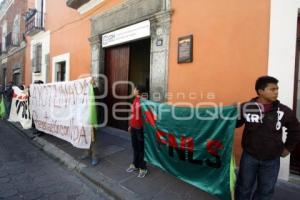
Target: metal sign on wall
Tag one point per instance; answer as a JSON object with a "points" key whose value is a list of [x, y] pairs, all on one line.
{"points": [[129, 33]]}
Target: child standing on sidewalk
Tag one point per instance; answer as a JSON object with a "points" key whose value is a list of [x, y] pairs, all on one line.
{"points": [[137, 136]]}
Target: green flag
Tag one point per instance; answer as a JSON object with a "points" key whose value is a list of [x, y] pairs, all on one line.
{"points": [[193, 144], [232, 176], [92, 107], [2, 108]]}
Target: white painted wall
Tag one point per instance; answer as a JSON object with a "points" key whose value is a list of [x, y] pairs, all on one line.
{"points": [[44, 39], [282, 47]]}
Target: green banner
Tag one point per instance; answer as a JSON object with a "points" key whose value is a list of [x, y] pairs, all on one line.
{"points": [[92, 107], [2, 108], [193, 144]]}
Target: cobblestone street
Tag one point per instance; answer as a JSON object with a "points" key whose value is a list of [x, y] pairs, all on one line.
{"points": [[28, 173]]}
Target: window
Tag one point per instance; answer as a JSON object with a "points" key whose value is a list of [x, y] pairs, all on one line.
{"points": [[4, 77], [4, 33], [37, 58], [39, 5], [8, 40], [17, 74], [60, 71], [16, 31], [40, 13], [17, 78], [61, 67]]}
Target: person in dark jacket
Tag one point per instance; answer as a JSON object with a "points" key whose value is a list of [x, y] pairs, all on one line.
{"points": [[1, 90], [36, 132], [8, 95], [264, 117], [92, 151]]}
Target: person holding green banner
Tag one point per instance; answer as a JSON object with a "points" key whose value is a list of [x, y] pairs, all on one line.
{"points": [[92, 151], [264, 117], [2, 108], [137, 136]]}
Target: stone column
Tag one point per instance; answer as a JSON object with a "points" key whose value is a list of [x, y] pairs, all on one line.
{"points": [[160, 30], [97, 61]]}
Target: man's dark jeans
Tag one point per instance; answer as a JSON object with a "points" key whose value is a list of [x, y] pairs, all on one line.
{"points": [[265, 172]]}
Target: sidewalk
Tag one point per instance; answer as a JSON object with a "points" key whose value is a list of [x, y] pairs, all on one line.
{"points": [[114, 151]]}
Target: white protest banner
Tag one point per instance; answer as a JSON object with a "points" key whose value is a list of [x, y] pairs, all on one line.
{"points": [[19, 111], [62, 110]]}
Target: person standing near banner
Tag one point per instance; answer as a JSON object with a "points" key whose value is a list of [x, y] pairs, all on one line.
{"points": [[36, 132], [92, 151], [1, 90], [264, 117], [2, 105], [8, 95], [137, 136]]}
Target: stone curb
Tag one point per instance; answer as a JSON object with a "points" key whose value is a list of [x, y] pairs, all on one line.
{"points": [[111, 187], [59, 154]]}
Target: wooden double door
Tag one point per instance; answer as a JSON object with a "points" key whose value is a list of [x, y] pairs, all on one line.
{"points": [[117, 69]]}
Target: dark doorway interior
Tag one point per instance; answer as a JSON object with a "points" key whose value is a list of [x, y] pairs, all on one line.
{"points": [[61, 71], [139, 70], [295, 155], [130, 62], [17, 78]]}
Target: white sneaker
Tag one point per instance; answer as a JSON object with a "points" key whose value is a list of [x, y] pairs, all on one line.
{"points": [[142, 173], [131, 168]]}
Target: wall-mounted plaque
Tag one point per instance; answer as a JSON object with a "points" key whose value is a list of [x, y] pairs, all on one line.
{"points": [[185, 49]]}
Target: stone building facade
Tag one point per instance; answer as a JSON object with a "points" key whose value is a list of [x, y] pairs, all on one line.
{"points": [[131, 12], [13, 43]]}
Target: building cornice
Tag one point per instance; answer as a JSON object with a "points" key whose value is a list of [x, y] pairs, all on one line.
{"points": [[13, 51]]}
